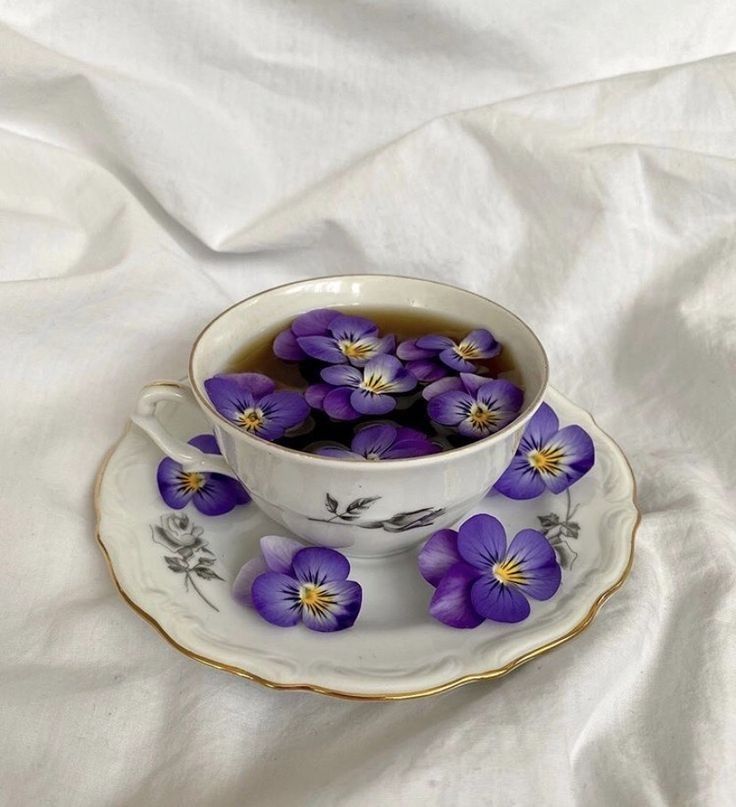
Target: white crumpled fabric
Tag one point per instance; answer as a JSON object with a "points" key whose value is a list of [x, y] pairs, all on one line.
{"points": [[575, 161]]}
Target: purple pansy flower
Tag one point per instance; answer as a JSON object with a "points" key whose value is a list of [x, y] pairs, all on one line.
{"points": [[547, 458], [459, 356], [313, 323], [481, 408], [250, 401], [478, 577], [296, 584], [424, 365], [353, 340], [212, 494], [383, 441], [350, 392]]}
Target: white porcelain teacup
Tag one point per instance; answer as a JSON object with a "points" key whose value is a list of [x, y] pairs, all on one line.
{"points": [[404, 500]]}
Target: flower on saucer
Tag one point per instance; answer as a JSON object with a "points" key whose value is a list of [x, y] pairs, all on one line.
{"points": [[313, 323], [424, 365], [212, 494], [548, 458], [477, 576], [353, 340], [481, 408], [293, 583], [383, 441], [349, 392], [459, 356], [251, 401]]}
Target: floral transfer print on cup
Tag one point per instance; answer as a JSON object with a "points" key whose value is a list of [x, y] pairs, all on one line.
{"points": [[212, 494], [478, 577], [190, 557], [251, 401], [548, 458], [292, 584], [383, 441]]}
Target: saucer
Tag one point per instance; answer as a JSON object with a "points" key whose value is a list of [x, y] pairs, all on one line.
{"points": [[396, 649]]}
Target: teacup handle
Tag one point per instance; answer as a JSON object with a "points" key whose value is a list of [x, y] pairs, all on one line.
{"points": [[191, 458]]}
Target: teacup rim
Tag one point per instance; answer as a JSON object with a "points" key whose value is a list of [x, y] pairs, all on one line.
{"points": [[413, 462]]}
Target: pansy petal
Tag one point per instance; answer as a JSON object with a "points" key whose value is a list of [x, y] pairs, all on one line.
{"points": [[449, 408], [403, 380], [374, 439], [388, 367], [282, 410], [287, 348], [543, 425], [244, 580], [172, 491], [472, 382], [276, 598], [502, 395], [337, 404], [410, 351], [206, 443], [216, 497], [278, 552], [323, 348], [314, 323], [367, 403], [342, 376], [427, 370], [314, 394], [452, 602], [438, 555], [411, 443], [229, 396], [498, 602], [455, 362], [434, 342], [483, 343], [579, 453], [481, 541], [318, 565], [241, 494], [353, 328], [448, 384], [373, 346], [346, 597], [537, 564], [520, 480]]}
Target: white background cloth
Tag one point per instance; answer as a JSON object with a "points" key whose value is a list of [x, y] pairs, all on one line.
{"points": [[573, 160]]}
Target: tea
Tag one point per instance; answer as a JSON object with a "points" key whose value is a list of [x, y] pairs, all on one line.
{"points": [[411, 409]]}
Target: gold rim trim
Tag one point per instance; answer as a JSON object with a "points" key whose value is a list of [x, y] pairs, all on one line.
{"points": [[489, 675]]}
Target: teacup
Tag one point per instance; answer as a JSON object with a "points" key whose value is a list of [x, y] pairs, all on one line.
{"points": [[390, 505]]}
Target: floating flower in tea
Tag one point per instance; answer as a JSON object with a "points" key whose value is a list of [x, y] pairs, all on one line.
{"points": [[251, 402], [383, 441]]}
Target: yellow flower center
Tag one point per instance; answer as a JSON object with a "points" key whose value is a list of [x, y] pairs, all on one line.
{"points": [[508, 572], [481, 417], [354, 350], [315, 598], [466, 351], [546, 460], [192, 482], [375, 383], [251, 419]]}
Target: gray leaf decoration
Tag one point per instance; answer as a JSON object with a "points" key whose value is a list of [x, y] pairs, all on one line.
{"points": [[557, 528], [331, 503], [400, 522]]}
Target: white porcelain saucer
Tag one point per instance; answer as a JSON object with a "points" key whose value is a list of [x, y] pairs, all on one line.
{"points": [[395, 650]]}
